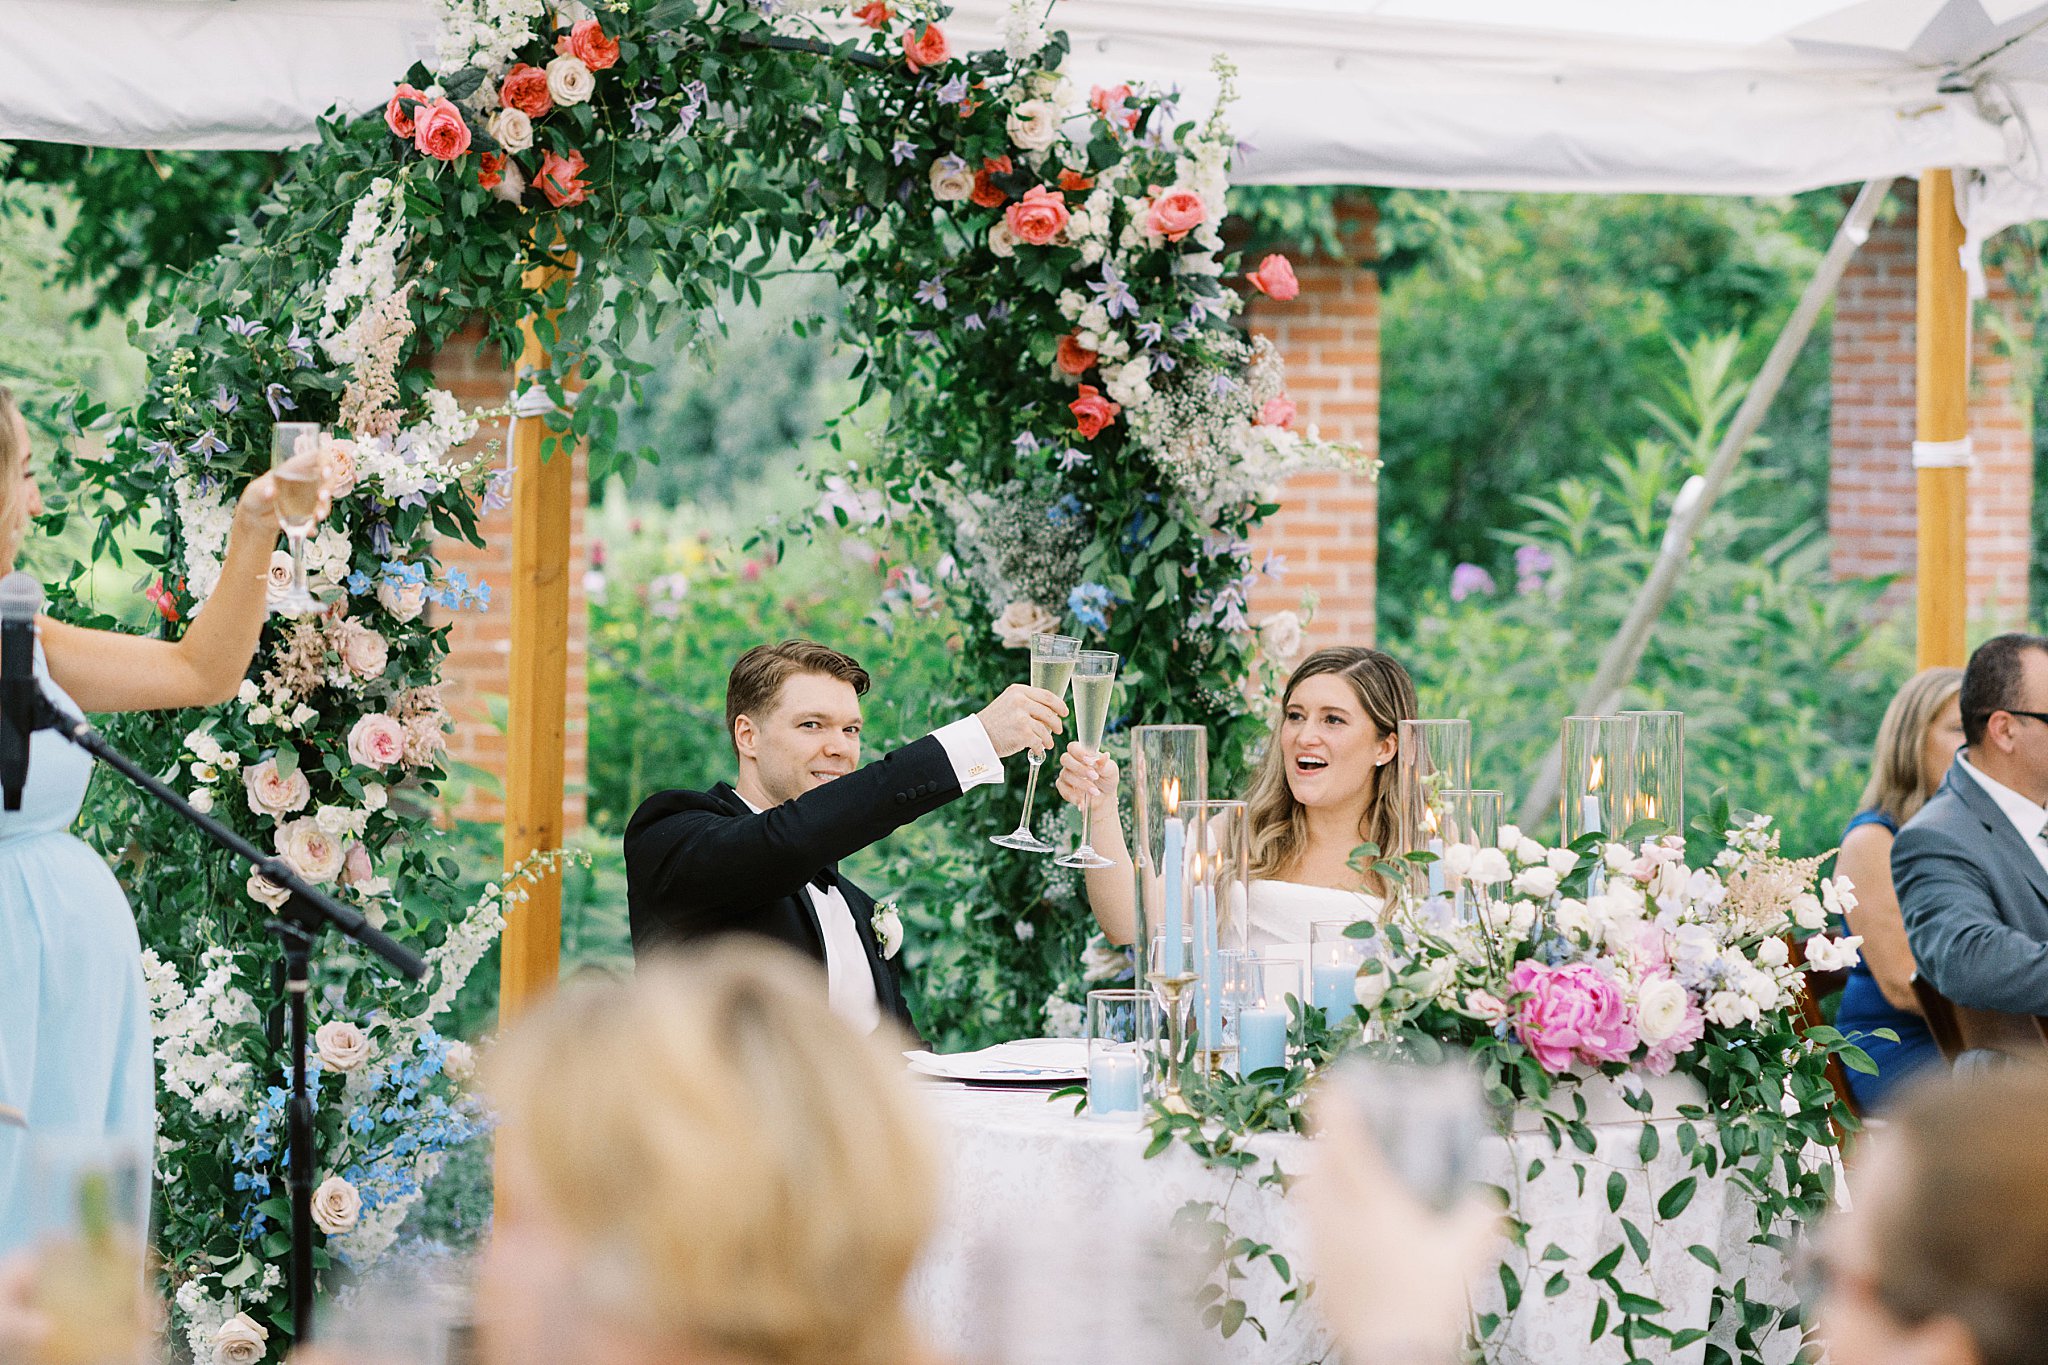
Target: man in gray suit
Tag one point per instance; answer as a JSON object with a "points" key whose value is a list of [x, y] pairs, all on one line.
{"points": [[1971, 868]]}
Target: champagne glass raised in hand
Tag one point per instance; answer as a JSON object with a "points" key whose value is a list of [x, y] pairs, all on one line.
{"points": [[1094, 680], [1052, 663], [295, 468]]}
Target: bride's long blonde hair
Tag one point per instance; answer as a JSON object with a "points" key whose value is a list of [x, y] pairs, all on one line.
{"points": [[1279, 822]]}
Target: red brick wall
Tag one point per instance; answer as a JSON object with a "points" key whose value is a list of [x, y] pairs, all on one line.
{"points": [[1871, 497], [1327, 527], [480, 654]]}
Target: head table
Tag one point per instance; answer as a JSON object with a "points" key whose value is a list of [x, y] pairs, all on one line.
{"points": [[1046, 1214]]}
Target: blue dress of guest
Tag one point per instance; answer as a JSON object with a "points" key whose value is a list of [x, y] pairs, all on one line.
{"points": [[1864, 1010], [75, 1046]]}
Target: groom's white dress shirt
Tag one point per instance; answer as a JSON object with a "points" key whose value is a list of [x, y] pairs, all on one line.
{"points": [[2027, 817]]}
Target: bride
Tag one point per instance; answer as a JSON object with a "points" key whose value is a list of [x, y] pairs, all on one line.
{"points": [[1324, 786]]}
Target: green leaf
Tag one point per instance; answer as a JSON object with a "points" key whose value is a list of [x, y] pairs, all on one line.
{"points": [[1636, 1305], [287, 757], [1676, 1198], [1646, 1146], [1617, 1190], [1556, 1285], [1639, 1243], [1705, 1257], [1510, 1286], [1603, 1269], [1599, 1320]]}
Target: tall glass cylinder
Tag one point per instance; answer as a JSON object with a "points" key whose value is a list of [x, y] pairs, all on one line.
{"points": [[1169, 770], [1659, 769], [1597, 791], [1435, 756], [1219, 898], [1471, 817]]}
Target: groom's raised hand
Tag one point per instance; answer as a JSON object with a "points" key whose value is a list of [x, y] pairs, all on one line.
{"points": [[1024, 717]]}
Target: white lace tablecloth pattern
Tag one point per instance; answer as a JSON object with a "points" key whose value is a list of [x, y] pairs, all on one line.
{"points": [[1043, 1208]]}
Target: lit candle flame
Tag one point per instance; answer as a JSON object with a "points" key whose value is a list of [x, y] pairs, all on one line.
{"points": [[1649, 806], [1593, 781], [1171, 791], [1429, 820]]}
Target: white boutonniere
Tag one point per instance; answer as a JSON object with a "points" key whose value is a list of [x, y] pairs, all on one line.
{"points": [[888, 926]]}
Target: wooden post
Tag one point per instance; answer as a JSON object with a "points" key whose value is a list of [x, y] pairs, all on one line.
{"points": [[1941, 450], [536, 739]]}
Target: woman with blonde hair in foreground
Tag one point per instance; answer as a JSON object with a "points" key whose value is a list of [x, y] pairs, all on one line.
{"points": [[702, 1165]]}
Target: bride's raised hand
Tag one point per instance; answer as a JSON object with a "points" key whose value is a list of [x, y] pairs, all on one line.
{"points": [[1087, 780]]}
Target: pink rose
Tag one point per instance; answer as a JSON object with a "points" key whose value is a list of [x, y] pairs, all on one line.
{"points": [[356, 868], [1108, 101], [1278, 411], [440, 132], [1275, 279], [338, 460], [875, 14], [1092, 412], [398, 114], [272, 793], [925, 45], [1173, 214], [526, 89], [376, 741], [1072, 357], [1039, 217], [363, 651], [1572, 1013], [560, 181], [588, 43], [424, 741]]}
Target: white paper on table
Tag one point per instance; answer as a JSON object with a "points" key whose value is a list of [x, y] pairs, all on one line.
{"points": [[1022, 1059]]}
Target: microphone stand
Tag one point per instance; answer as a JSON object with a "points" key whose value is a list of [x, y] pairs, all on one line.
{"points": [[305, 912]]}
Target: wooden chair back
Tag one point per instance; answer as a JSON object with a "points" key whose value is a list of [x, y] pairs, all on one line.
{"points": [[1941, 1018]]}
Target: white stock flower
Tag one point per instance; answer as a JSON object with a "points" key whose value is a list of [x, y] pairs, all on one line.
{"points": [[569, 80], [1731, 1008], [1537, 883], [1808, 912], [1574, 921], [1034, 125], [1660, 1009], [1838, 895], [1457, 860], [512, 129], [1772, 953], [1824, 954], [1618, 858], [241, 1340], [888, 927], [1510, 836], [1374, 980], [342, 1045], [336, 1205]]}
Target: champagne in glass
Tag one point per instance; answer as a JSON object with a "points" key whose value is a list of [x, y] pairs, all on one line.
{"points": [[92, 1197], [295, 468], [1052, 664], [1094, 680]]}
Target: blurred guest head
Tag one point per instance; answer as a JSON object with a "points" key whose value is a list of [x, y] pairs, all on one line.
{"points": [[1942, 1259], [2005, 712], [1922, 729], [19, 497], [701, 1164], [792, 712], [1333, 747]]}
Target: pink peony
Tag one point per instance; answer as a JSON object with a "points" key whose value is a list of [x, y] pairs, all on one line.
{"points": [[588, 43], [1173, 214], [1039, 217], [376, 741], [1572, 1013], [925, 45], [440, 132], [1275, 279], [1278, 411]]}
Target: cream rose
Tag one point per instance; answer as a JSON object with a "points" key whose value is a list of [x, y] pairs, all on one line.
{"points": [[261, 888], [1280, 635], [342, 1046], [424, 740], [241, 1340], [511, 129], [569, 80], [952, 179], [1537, 883], [313, 853], [1489, 866], [336, 1205], [1001, 240], [1022, 620], [1660, 1009], [405, 601], [338, 463], [274, 794], [363, 651], [1035, 125], [460, 1062], [376, 741], [278, 581]]}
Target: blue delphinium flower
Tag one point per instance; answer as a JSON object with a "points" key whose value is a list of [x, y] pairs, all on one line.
{"points": [[1089, 604]]}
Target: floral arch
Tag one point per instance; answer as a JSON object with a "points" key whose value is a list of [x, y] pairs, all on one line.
{"points": [[1039, 285]]}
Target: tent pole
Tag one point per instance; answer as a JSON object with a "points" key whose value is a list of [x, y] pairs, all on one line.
{"points": [[536, 737], [1625, 651], [1941, 450]]}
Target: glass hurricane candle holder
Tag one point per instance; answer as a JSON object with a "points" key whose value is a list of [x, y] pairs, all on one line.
{"points": [[1169, 770], [1119, 1026], [1435, 756], [1471, 817], [1659, 786], [1219, 895], [1597, 788], [1333, 962], [1261, 992]]}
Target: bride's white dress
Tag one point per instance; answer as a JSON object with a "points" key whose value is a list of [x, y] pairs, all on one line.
{"points": [[1281, 912]]}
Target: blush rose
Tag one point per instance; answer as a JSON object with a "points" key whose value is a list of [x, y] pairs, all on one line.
{"points": [[376, 741], [925, 45], [1173, 214], [1275, 279], [440, 131], [1039, 217]]}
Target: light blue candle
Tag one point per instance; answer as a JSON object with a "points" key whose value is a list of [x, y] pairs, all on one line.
{"points": [[1113, 1083], [1173, 870], [1261, 1038], [1436, 869], [1211, 968], [1334, 987]]}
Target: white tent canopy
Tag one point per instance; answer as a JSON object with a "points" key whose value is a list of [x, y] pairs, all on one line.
{"points": [[1737, 97]]}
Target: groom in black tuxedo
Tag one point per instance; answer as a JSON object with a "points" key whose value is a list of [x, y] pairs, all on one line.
{"points": [[761, 856]]}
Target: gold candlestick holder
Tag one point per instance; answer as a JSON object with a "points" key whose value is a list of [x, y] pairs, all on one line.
{"points": [[1172, 990]]}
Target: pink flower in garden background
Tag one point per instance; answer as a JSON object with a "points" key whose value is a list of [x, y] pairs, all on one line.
{"points": [[525, 88], [925, 45], [1572, 1013], [397, 116], [1039, 217], [1173, 214], [160, 597], [1468, 579], [558, 179], [1532, 564], [1072, 357], [1277, 411], [440, 132], [588, 43], [1092, 412], [1275, 279]]}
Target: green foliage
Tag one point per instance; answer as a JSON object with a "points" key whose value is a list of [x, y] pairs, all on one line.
{"points": [[1781, 675]]}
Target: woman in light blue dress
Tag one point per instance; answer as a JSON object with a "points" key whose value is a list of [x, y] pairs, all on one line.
{"points": [[75, 1044]]}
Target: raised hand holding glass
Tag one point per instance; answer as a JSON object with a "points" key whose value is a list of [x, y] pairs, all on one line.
{"points": [[1053, 658], [1094, 680], [295, 470]]}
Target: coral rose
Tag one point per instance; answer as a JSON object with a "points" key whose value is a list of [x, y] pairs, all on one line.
{"points": [[874, 14], [987, 193], [1073, 358], [525, 88], [1275, 279], [1174, 214], [1277, 411], [397, 114], [1039, 217], [925, 45], [490, 170], [588, 43], [1573, 1013], [376, 741], [1092, 412], [1108, 101], [1073, 182], [560, 181], [440, 131]]}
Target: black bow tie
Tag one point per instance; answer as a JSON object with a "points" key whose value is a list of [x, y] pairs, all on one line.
{"points": [[826, 878]]}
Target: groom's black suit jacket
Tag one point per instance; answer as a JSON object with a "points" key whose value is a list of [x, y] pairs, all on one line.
{"points": [[700, 864]]}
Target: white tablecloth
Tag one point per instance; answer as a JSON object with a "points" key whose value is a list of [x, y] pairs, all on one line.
{"points": [[1042, 1242]]}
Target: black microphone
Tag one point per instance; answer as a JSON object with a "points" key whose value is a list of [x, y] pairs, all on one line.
{"points": [[21, 597]]}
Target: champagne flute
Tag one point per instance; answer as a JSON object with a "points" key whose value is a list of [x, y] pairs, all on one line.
{"points": [[1094, 680], [1052, 664], [298, 503], [91, 1203]]}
